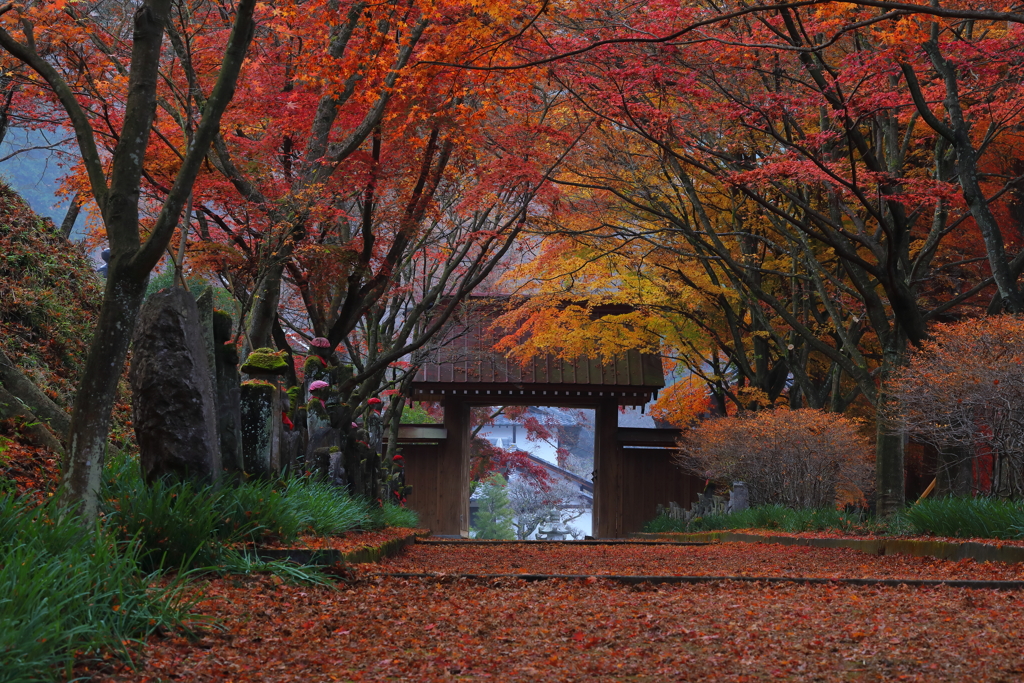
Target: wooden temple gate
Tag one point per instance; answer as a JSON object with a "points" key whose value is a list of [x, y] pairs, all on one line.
{"points": [[633, 467]]}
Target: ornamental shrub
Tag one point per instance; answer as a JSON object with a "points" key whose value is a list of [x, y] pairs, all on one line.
{"points": [[797, 458]]}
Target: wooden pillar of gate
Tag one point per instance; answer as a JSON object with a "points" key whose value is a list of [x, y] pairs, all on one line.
{"points": [[453, 472], [607, 472]]}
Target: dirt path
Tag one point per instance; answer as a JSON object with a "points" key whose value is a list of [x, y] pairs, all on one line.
{"points": [[592, 629]]}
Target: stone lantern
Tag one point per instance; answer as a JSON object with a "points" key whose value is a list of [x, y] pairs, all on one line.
{"points": [[261, 411]]}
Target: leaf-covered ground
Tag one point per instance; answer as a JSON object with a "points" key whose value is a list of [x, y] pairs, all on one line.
{"points": [[25, 469], [592, 629], [348, 542], [725, 559]]}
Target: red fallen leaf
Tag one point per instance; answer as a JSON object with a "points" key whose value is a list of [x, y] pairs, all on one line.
{"points": [[578, 636], [429, 627]]}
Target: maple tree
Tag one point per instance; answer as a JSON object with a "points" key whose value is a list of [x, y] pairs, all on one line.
{"points": [[793, 183], [363, 189], [114, 171], [364, 210], [785, 196]]}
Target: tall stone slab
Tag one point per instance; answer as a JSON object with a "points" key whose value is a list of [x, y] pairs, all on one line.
{"points": [[172, 392], [204, 305], [229, 419], [261, 421]]}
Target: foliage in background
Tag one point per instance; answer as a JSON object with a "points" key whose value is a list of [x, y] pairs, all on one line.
{"points": [[963, 392], [532, 501], [222, 299], [420, 413], [796, 458], [682, 403], [66, 592], [494, 520]]}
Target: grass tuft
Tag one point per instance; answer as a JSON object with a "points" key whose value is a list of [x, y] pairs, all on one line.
{"points": [[950, 517], [968, 518], [66, 594], [777, 517], [182, 526]]}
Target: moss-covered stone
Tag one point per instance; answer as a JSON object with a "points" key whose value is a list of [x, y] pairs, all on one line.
{"points": [[265, 362], [269, 387], [342, 374], [294, 397], [313, 364]]}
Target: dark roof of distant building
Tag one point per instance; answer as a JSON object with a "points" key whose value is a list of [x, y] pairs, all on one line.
{"points": [[468, 365]]}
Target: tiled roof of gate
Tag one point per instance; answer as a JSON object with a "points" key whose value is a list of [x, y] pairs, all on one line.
{"points": [[468, 362]]}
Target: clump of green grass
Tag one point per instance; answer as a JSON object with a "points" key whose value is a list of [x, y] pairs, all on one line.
{"points": [[181, 525], [952, 517], [390, 514], [777, 517], [324, 509], [968, 517], [66, 594]]}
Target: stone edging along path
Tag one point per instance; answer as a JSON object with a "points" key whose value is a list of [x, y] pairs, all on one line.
{"points": [[330, 556], [943, 550]]}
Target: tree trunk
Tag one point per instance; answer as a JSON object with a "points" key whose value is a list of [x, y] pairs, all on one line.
{"points": [[953, 462], [264, 308], [25, 390], [890, 493], [31, 427], [90, 421]]}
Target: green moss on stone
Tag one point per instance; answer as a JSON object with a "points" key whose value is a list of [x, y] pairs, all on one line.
{"points": [[265, 362], [258, 383], [313, 364], [294, 397]]}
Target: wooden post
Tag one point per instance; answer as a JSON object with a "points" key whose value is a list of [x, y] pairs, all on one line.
{"points": [[453, 472], [607, 472]]}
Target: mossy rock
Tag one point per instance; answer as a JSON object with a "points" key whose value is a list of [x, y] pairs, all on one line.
{"points": [[259, 384], [313, 364], [343, 373], [265, 362]]}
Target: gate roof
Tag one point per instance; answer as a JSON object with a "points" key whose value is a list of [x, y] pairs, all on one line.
{"points": [[468, 366]]}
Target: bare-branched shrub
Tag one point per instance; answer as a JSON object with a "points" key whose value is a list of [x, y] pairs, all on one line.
{"points": [[963, 391], [799, 458]]}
